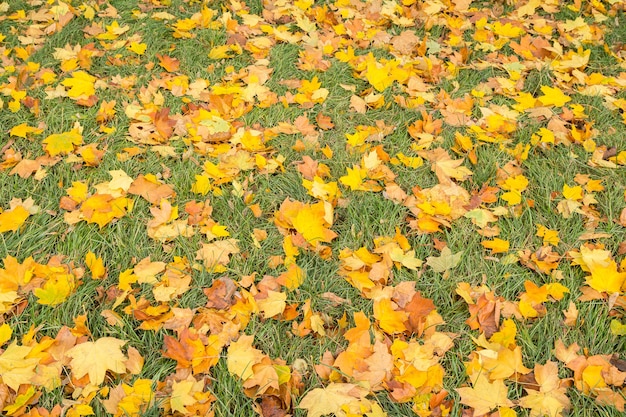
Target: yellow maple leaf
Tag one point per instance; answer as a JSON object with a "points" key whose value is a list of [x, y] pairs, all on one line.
{"points": [[507, 30], [184, 393], [550, 237], [106, 112], [273, 305], [96, 358], [484, 396], [408, 161], [146, 271], [378, 75], [319, 189], [15, 367], [216, 255], [56, 289], [535, 296], [515, 184], [407, 259], [5, 333], [92, 156], [137, 47], [505, 336], [11, 220], [551, 399], [293, 277], [15, 274], [119, 180], [23, 130], [506, 363], [390, 320], [573, 193], [95, 265], [8, 298], [556, 290], [606, 278], [588, 258], [136, 397], [543, 135], [81, 85], [496, 245], [113, 31], [78, 191], [445, 167], [62, 143], [553, 96], [291, 251], [202, 185], [524, 101], [592, 378], [79, 410], [225, 51], [311, 223], [102, 208], [332, 399], [354, 178], [241, 357], [126, 279]]}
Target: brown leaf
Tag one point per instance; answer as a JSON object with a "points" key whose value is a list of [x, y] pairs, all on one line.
{"points": [[324, 122], [335, 299], [418, 308], [620, 364], [4, 395], [221, 295], [163, 123], [180, 352], [270, 406], [483, 315], [150, 190]]}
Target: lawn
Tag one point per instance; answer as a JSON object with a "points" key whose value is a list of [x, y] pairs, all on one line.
{"points": [[309, 208]]}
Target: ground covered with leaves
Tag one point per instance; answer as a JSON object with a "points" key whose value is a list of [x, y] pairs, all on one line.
{"points": [[347, 208]]}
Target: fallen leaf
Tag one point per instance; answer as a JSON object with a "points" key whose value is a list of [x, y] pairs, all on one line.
{"points": [[62, 143], [12, 220], [496, 245], [241, 357], [484, 396], [551, 398], [446, 261], [331, 399], [96, 358]]}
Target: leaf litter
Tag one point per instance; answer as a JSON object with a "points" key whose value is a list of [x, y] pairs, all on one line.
{"points": [[407, 55]]}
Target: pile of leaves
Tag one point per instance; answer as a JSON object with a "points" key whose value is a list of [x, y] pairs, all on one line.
{"points": [[342, 208]]}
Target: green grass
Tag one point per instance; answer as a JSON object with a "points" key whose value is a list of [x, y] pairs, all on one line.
{"points": [[359, 216]]}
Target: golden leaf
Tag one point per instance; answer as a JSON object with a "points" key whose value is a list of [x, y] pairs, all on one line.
{"points": [[485, 396], [96, 358], [62, 143]]}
